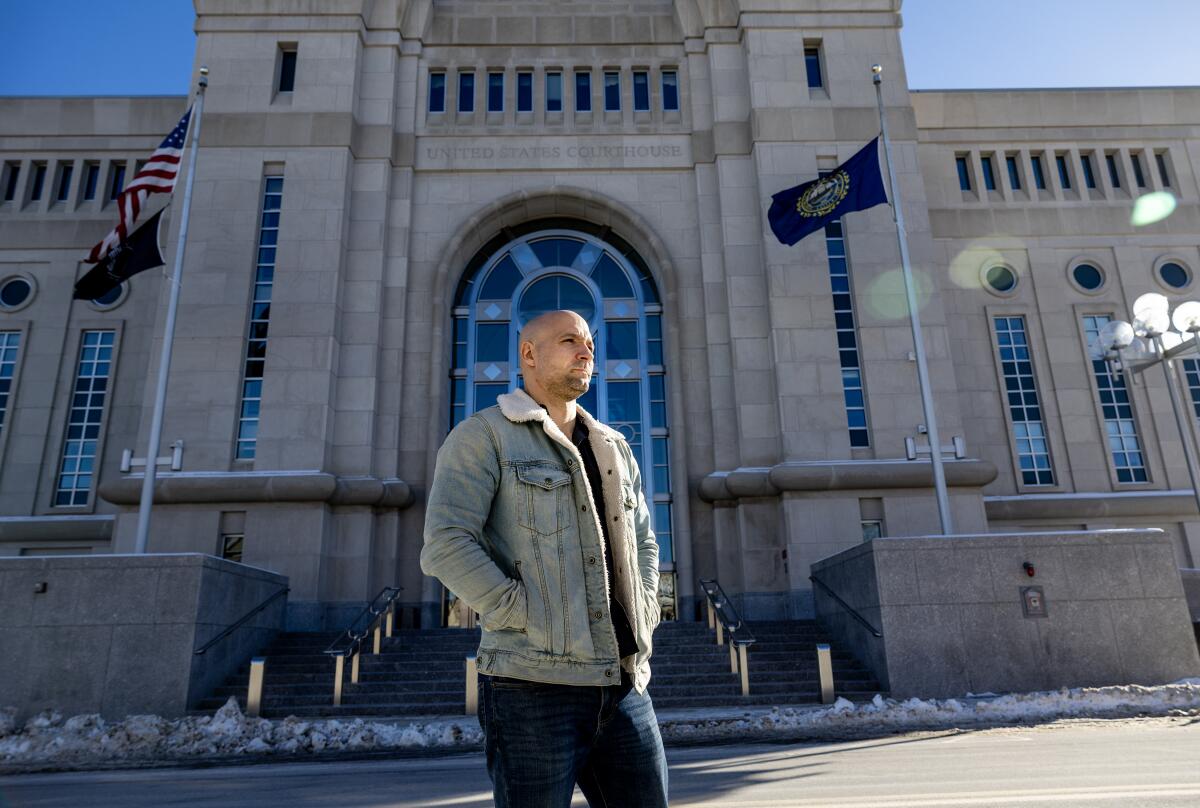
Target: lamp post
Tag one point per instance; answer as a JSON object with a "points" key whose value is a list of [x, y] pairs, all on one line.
{"points": [[1152, 321]]}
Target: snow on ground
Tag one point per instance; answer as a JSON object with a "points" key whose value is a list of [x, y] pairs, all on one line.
{"points": [[49, 740]]}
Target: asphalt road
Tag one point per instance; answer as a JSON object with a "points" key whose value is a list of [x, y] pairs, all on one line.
{"points": [[1149, 762]]}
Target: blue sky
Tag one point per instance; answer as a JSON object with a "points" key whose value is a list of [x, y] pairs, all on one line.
{"points": [[145, 47]]}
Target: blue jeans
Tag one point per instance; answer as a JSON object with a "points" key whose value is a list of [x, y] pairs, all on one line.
{"points": [[542, 739]]}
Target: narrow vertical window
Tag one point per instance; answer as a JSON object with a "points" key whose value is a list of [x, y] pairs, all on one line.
{"points": [[117, 181], [670, 91], [641, 91], [1089, 176], [64, 183], [524, 92], [495, 102], [964, 172], [583, 91], [1138, 176], [1114, 174], [847, 335], [989, 174], [287, 69], [1020, 388], [1039, 173], [10, 341], [466, 92], [437, 92], [260, 319], [612, 91], [1160, 159], [812, 66], [554, 92], [1064, 173], [1124, 446], [90, 179], [92, 373], [12, 173], [1014, 172], [39, 181]]}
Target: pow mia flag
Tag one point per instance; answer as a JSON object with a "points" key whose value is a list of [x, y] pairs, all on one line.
{"points": [[856, 184], [136, 254]]}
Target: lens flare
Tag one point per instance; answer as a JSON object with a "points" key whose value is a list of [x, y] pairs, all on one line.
{"points": [[1151, 208]]}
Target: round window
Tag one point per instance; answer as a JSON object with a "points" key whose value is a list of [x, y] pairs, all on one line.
{"points": [[1174, 275], [554, 293], [1001, 279], [14, 292], [110, 297], [1088, 277]]}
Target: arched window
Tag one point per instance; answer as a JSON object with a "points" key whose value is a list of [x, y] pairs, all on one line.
{"points": [[514, 279]]}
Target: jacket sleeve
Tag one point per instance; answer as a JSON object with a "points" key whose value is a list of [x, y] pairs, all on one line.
{"points": [[647, 544], [465, 481]]}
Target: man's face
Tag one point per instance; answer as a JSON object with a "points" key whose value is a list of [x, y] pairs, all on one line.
{"points": [[562, 355]]}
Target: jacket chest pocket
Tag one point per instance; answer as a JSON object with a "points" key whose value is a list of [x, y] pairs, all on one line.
{"points": [[543, 497]]}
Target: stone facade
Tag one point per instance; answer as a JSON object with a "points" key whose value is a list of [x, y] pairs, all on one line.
{"points": [[386, 203]]}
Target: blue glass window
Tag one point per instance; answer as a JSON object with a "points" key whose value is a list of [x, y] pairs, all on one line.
{"points": [[1039, 175], [583, 91], [641, 91], [812, 66], [90, 391], [554, 92], [437, 92], [1014, 173], [1020, 390], [495, 92], [524, 92], [612, 91], [1117, 408], [670, 91], [964, 172], [466, 92]]}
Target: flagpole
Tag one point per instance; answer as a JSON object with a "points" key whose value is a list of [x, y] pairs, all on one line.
{"points": [[935, 445], [164, 364]]}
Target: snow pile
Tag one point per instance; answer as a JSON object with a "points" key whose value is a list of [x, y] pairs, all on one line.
{"points": [[844, 718], [47, 738]]}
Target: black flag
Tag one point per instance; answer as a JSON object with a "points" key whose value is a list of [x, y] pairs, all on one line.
{"points": [[137, 253]]}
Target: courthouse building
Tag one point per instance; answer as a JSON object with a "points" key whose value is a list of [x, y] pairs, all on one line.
{"points": [[387, 189]]}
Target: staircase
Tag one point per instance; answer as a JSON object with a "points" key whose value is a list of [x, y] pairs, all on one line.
{"points": [[421, 673]]}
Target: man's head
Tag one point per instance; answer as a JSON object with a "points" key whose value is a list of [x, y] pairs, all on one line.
{"points": [[557, 356]]}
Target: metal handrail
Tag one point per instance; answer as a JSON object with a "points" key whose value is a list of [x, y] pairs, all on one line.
{"points": [[845, 605], [723, 617], [380, 613], [240, 622]]}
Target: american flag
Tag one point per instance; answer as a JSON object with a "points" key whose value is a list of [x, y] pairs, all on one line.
{"points": [[156, 177]]}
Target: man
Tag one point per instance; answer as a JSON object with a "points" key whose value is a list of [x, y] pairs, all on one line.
{"points": [[536, 519]]}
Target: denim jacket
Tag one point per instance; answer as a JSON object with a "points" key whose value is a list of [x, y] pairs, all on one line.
{"points": [[510, 529]]}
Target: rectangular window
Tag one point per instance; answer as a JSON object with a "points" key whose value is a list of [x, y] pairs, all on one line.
{"points": [[812, 66], [1039, 174], [116, 181], [75, 471], [39, 181], [583, 91], [12, 173], [1014, 172], [1138, 176], [964, 172], [437, 92], [90, 179], [524, 92], [612, 91], [1114, 174], [495, 92], [1160, 159], [287, 70], [260, 319], [554, 92], [64, 183], [1020, 388], [466, 92], [670, 91], [1064, 173], [10, 341], [641, 91], [1089, 176], [847, 335], [1117, 409], [989, 175]]}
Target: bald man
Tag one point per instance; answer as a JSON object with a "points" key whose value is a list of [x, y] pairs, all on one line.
{"points": [[537, 520]]}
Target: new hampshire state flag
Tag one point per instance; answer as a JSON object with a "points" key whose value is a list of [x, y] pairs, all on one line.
{"points": [[854, 185]]}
